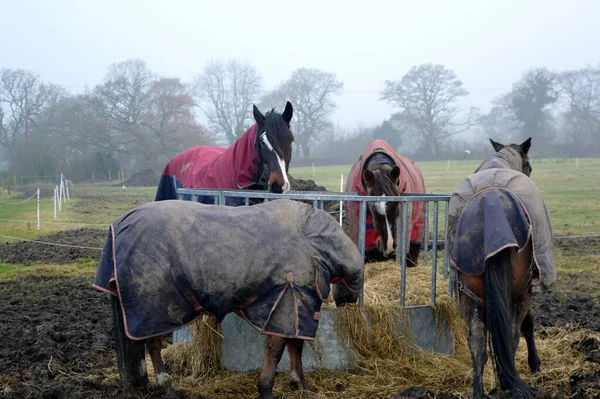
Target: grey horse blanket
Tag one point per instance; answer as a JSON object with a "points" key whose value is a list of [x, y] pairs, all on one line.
{"points": [[495, 209], [171, 261]]}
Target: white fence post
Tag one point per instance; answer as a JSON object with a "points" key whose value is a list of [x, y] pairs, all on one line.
{"points": [[341, 202], [59, 192], [314, 173], [577, 163], [38, 208], [67, 190], [55, 198], [448, 166]]}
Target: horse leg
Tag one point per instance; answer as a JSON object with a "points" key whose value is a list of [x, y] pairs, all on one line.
{"points": [[154, 345], [532, 356], [274, 347], [524, 320], [297, 380], [413, 254], [130, 353], [477, 346]]}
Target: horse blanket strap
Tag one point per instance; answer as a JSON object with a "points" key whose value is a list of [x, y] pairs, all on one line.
{"points": [[411, 181], [259, 176], [468, 292], [495, 209], [169, 262], [522, 291], [526, 284]]}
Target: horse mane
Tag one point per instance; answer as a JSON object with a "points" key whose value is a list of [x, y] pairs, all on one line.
{"points": [[507, 157], [279, 134], [386, 184]]}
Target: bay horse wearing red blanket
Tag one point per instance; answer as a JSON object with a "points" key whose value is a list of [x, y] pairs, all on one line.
{"points": [[381, 171], [258, 160]]}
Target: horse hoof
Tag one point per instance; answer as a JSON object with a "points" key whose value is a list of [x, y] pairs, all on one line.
{"points": [[301, 386], [169, 392], [535, 366]]}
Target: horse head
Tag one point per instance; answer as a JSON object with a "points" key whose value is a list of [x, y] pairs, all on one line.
{"points": [[343, 295], [522, 150], [382, 179], [274, 147]]}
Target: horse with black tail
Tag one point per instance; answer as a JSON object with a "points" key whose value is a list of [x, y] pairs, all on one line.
{"points": [[500, 241], [258, 160]]}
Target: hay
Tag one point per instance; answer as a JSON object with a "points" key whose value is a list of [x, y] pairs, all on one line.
{"points": [[388, 364], [200, 358]]}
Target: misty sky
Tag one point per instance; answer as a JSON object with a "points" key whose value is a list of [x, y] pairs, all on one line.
{"points": [[488, 43]]}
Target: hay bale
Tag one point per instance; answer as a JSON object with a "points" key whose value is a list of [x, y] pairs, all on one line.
{"points": [[389, 364], [199, 358]]}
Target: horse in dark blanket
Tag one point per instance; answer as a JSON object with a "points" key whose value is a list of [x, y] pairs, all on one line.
{"points": [[500, 239], [164, 265], [258, 160], [381, 171]]}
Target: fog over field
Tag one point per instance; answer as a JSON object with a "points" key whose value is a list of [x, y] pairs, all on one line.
{"points": [[129, 84]]}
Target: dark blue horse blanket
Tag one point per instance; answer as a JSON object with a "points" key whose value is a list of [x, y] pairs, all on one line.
{"points": [[496, 209], [169, 262]]}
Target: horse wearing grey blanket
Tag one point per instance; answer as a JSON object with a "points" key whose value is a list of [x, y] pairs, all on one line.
{"points": [[167, 263]]}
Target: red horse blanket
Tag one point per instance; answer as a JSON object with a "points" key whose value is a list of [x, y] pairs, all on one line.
{"points": [[410, 181], [211, 167]]}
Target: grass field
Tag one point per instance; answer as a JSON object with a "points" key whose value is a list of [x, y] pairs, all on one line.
{"points": [[572, 196]]}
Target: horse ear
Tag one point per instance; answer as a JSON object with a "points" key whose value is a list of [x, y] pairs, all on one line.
{"points": [[288, 112], [258, 116], [497, 146], [526, 145], [395, 174], [368, 176]]}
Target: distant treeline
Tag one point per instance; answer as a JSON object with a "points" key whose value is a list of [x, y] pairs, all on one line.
{"points": [[136, 119]]}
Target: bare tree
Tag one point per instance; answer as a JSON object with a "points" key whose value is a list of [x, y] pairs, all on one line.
{"points": [[581, 91], [142, 116], [23, 97], [427, 97], [525, 111], [531, 98], [311, 92], [500, 121], [225, 92], [122, 101], [170, 119]]}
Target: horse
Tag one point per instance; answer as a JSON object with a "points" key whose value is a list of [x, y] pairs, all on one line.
{"points": [[381, 171], [162, 264], [500, 240], [258, 160]]}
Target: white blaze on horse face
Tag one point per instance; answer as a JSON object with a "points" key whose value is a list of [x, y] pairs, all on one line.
{"points": [[381, 209], [286, 182], [265, 140]]}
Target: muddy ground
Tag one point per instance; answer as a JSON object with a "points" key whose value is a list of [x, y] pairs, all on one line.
{"points": [[27, 253], [57, 340]]}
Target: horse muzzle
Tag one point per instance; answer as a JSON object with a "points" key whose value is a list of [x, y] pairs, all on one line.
{"points": [[386, 250], [275, 186]]}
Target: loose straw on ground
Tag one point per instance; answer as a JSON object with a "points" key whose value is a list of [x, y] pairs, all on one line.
{"points": [[388, 363]]}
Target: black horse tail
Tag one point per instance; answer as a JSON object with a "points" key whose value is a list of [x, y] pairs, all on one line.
{"points": [[166, 189], [499, 320]]}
